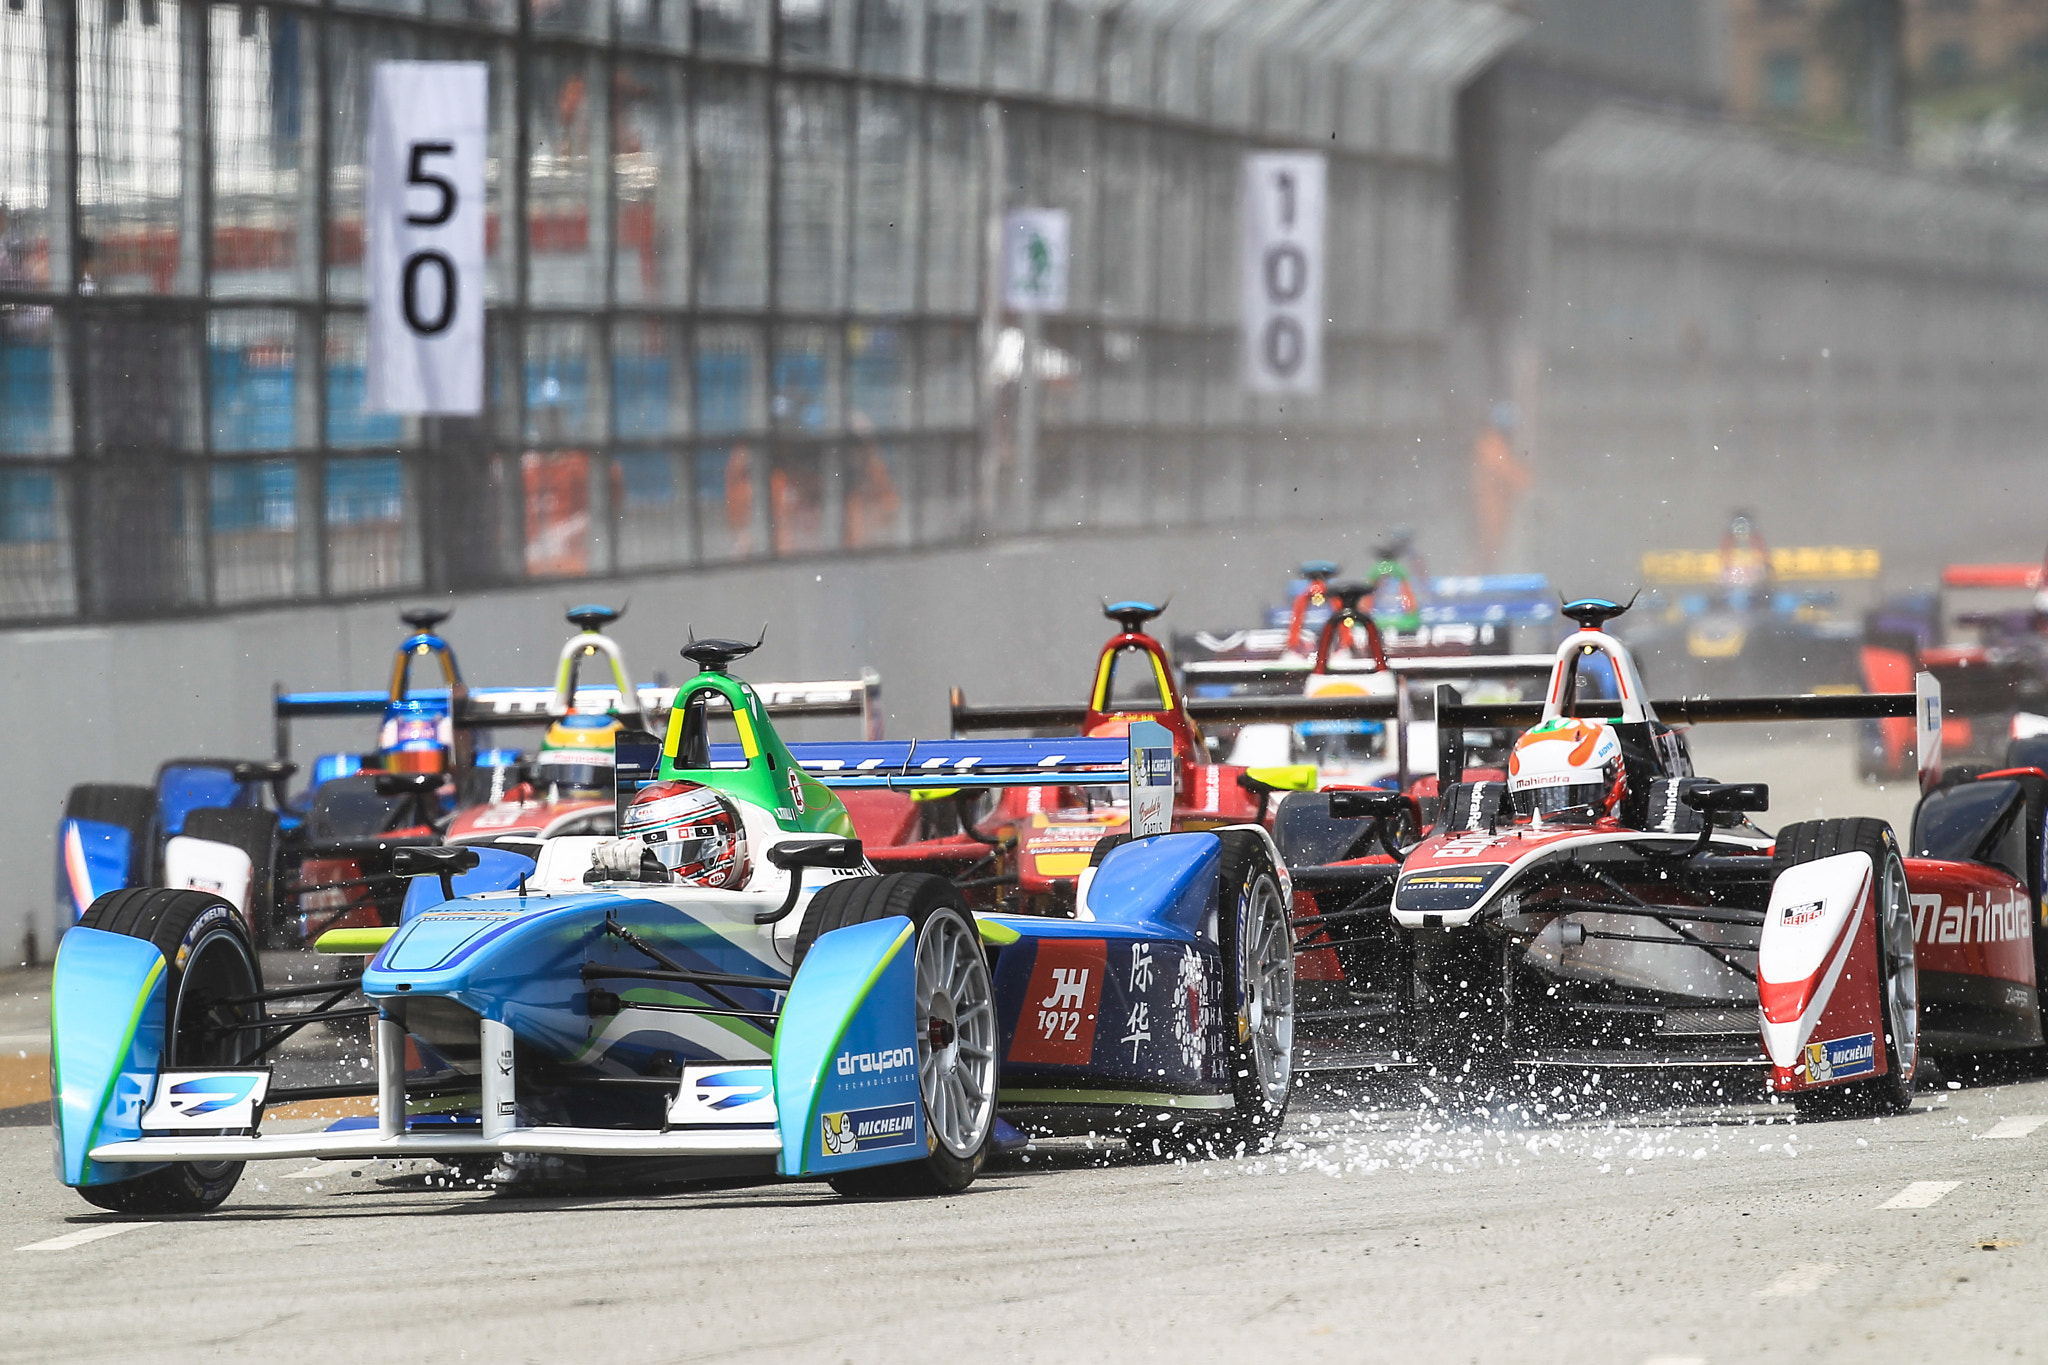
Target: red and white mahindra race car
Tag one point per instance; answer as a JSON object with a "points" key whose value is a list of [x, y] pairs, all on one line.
{"points": [[1654, 926]]}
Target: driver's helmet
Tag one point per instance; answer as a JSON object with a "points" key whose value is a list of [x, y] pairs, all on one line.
{"points": [[416, 737], [693, 831], [577, 757], [1566, 771]]}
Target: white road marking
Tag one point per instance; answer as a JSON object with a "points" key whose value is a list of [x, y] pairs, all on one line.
{"points": [[1920, 1194], [313, 1172], [84, 1235], [1798, 1282], [2017, 1126], [1676, 1360]]}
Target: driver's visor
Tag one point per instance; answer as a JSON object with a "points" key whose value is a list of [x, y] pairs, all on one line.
{"points": [[1571, 804]]}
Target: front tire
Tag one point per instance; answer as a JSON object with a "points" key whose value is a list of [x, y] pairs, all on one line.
{"points": [[208, 962], [127, 807], [956, 1026], [1256, 942], [1897, 967]]}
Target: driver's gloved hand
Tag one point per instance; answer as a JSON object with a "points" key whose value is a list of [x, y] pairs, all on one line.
{"points": [[617, 860]]}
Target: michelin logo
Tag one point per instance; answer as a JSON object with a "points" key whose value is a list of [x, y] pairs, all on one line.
{"points": [[866, 1130], [893, 1059], [1840, 1059]]}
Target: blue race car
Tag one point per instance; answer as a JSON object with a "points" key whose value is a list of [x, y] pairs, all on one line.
{"points": [[173, 831], [808, 1018]]}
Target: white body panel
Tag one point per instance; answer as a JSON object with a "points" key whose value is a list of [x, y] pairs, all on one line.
{"points": [[1808, 931], [203, 865]]}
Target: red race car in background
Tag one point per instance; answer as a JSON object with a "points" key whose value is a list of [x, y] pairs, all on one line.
{"points": [[1994, 688], [1349, 656], [1026, 850]]}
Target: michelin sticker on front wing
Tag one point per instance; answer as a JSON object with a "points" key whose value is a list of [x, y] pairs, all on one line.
{"points": [[865, 1130], [1839, 1059]]}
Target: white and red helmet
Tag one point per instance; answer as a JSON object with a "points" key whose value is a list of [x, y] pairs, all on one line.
{"points": [[694, 831], [1567, 770]]}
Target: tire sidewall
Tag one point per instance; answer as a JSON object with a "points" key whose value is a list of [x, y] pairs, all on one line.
{"points": [[1247, 863]]}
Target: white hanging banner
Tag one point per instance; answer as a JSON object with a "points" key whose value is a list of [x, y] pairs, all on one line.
{"points": [[1035, 260], [1282, 271], [423, 216]]}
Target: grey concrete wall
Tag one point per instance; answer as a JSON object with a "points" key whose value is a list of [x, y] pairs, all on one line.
{"points": [[1012, 621]]}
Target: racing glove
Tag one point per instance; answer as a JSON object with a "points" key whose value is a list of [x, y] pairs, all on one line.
{"points": [[623, 860]]}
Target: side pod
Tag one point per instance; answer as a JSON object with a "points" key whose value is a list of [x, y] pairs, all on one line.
{"points": [[846, 1087], [1817, 975], [107, 1011]]}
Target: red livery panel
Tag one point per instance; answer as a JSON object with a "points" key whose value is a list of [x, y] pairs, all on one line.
{"points": [[1971, 918]]}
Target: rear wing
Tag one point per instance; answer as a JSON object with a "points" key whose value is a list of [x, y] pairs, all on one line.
{"points": [[2027, 576], [1922, 705], [1141, 760], [1792, 563], [1401, 666], [968, 719], [482, 707]]}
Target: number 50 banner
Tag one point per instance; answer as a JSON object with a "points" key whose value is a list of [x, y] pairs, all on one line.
{"points": [[424, 215], [1282, 272]]}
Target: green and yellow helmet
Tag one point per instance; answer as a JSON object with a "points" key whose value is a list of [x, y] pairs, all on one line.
{"points": [[577, 757]]}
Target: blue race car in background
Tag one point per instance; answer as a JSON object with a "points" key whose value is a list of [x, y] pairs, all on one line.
{"points": [[174, 831], [818, 1020]]}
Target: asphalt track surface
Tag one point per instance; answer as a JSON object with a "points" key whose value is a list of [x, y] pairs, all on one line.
{"points": [[1392, 1221]]}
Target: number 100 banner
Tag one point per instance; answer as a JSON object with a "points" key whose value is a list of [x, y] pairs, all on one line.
{"points": [[1282, 272], [424, 218]]}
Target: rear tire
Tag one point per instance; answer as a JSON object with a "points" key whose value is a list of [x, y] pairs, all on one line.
{"points": [[254, 831], [956, 1026], [131, 808], [208, 958], [2028, 753], [1256, 942], [1897, 969]]}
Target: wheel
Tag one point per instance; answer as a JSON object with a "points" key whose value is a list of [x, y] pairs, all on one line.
{"points": [[1104, 845], [956, 1025], [1256, 943], [127, 807], [1898, 973], [208, 962], [2028, 753], [254, 831]]}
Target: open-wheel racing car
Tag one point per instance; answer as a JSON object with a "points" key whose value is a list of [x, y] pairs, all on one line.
{"points": [[1029, 849], [727, 985], [320, 859], [1605, 908], [1350, 658], [1994, 688]]}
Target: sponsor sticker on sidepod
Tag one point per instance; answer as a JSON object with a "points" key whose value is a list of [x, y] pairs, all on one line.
{"points": [[1838, 1059], [864, 1130]]}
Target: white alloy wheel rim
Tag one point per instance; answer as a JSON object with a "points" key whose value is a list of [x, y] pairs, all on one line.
{"points": [[1266, 971], [1902, 980], [956, 1035]]}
